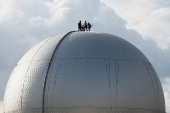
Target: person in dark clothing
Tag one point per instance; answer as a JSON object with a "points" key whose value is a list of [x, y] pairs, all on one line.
{"points": [[89, 26], [85, 26], [79, 26]]}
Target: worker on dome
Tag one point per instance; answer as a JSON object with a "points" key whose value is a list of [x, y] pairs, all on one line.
{"points": [[79, 26], [85, 26], [89, 26]]}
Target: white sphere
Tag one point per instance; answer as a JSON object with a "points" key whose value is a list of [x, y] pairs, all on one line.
{"points": [[84, 72]]}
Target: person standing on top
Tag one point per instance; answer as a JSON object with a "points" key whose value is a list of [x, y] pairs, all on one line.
{"points": [[89, 26], [79, 25], [85, 26]]}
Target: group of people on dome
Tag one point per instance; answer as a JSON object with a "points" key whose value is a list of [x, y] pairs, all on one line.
{"points": [[86, 26]]}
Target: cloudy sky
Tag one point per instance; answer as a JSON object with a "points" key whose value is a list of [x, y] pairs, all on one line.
{"points": [[144, 23]]}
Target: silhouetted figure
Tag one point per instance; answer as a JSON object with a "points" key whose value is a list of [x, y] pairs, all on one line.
{"points": [[79, 26], [89, 26], [85, 26], [82, 28]]}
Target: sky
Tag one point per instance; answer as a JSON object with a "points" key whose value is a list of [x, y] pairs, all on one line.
{"points": [[144, 23]]}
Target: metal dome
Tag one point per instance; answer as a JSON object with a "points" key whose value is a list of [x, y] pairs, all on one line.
{"points": [[84, 72]]}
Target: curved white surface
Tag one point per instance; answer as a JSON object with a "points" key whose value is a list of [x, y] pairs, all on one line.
{"points": [[84, 72]]}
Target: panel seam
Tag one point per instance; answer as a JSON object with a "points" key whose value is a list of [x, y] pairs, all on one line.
{"points": [[29, 68], [50, 60]]}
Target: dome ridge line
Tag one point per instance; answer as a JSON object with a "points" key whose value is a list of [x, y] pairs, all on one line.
{"points": [[44, 84]]}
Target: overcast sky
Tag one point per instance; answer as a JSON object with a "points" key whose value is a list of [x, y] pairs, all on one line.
{"points": [[144, 23]]}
